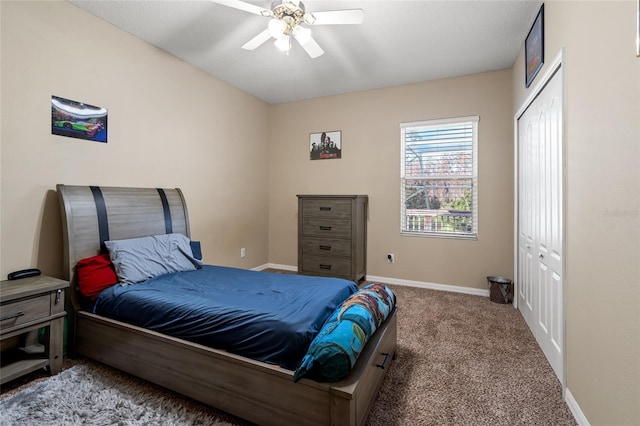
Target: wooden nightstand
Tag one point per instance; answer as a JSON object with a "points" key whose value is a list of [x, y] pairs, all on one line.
{"points": [[26, 305]]}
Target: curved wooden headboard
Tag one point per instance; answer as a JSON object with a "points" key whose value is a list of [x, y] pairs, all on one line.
{"points": [[92, 214]]}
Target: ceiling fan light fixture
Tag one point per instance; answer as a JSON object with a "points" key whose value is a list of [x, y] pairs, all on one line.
{"points": [[277, 28], [283, 43]]}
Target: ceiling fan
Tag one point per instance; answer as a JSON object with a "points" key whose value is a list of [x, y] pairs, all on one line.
{"points": [[287, 17]]}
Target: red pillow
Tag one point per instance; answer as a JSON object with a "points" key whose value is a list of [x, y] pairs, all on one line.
{"points": [[95, 274]]}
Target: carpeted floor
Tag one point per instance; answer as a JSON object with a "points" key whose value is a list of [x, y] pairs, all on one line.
{"points": [[462, 360]]}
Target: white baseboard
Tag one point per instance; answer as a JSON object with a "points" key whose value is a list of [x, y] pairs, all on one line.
{"points": [[275, 266], [396, 281], [431, 286], [581, 419]]}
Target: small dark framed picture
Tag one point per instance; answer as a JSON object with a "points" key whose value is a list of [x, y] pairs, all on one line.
{"points": [[325, 145], [534, 48]]}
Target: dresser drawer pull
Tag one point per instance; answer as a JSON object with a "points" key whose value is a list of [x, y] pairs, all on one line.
{"points": [[384, 362], [323, 266], [19, 314], [324, 247], [58, 296], [325, 228], [325, 209]]}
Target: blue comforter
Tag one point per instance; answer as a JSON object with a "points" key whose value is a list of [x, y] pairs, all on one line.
{"points": [[264, 316]]}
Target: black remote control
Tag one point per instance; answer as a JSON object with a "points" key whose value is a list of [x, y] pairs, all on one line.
{"points": [[24, 273]]}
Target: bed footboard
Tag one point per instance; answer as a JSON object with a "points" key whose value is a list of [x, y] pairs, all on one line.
{"points": [[258, 392], [356, 394]]}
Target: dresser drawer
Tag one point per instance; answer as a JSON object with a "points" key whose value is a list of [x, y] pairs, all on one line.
{"points": [[326, 265], [327, 208], [326, 246], [23, 311], [326, 227]]}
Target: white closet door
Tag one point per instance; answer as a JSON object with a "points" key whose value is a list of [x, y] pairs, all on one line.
{"points": [[528, 132], [540, 221]]}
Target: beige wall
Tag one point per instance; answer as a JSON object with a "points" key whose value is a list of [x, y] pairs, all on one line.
{"points": [[370, 164], [173, 125], [170, 125], [602, 285]]}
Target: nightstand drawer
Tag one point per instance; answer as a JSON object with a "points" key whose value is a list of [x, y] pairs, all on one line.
{"points": [[327, 208], [326, 228], [24, 311], [326, 246], [326, 265]]}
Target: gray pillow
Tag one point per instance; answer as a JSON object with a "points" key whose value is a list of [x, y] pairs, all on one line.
{"points": [[139, 259]]}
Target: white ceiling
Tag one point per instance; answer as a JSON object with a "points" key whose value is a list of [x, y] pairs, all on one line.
{"points": [[399, 42]]}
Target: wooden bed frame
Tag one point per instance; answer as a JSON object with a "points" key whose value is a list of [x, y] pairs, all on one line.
{"points": [[258, 392]]}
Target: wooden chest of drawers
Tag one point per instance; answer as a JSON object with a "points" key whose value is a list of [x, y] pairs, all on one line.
{"points": [[332, 235]]}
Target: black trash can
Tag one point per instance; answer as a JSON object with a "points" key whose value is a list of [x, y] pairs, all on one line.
{"points": [[499, 289]]}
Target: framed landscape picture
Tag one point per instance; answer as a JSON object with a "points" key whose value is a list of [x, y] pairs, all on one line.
{"points": [[534, 48]]}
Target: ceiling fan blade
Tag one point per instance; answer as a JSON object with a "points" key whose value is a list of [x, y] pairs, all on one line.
{"points": [[247, 7], [335, 17], [257, 40], [312, 48]]}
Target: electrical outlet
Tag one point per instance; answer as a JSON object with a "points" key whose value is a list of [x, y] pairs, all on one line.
{"points": [[391, 258], [243, 252]]}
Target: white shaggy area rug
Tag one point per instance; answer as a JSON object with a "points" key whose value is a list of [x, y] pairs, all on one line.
{"points": [[84, 395]]}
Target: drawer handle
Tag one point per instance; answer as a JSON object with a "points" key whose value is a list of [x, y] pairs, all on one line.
{"points": [[58, 296], [384, 362], [324, 247], [323, 266], [325, 209], [19, 314], [325, 228]]}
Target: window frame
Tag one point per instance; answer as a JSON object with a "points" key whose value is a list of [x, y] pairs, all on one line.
{"points": [[473, 234]]}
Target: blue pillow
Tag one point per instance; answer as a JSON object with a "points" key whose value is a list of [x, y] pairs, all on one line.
{"points": [[139, 259], [335, 350]]}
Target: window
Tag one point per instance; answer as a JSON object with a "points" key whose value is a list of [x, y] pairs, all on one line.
{"points": [[439, 174]]}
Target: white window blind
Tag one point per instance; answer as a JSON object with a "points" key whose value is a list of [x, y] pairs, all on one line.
{"points": [[439, 175]]}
